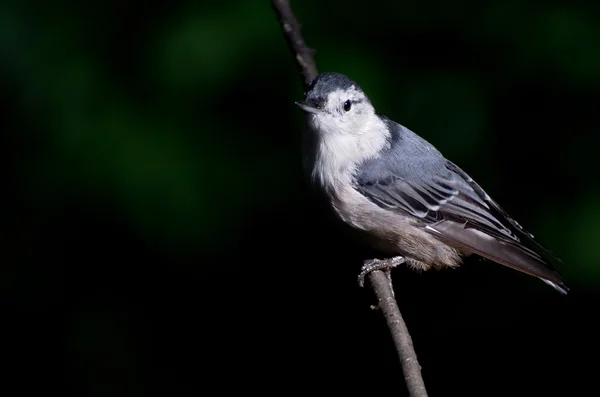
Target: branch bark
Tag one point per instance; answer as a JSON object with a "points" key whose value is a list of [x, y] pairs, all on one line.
{"points": [[303, 55], [402, 340], [382, 286]]}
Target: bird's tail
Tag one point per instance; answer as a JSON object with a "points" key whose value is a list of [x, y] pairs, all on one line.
{"points": [[504, 251]]}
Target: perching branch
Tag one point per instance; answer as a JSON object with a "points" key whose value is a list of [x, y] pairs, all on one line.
{"points": [[378, 278], [303, 55], [402, 340]]}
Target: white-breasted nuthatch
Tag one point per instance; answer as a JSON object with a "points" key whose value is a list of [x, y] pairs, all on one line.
{"points": [[400, 194]]}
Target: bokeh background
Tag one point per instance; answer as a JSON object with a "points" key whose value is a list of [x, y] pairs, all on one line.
{"points": [[159, 238]]}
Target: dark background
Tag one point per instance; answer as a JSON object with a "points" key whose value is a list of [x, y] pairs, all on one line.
{"points": [[159, 239]]}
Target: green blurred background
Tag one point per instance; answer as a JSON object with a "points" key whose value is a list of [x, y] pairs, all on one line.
{"points": [[159, 238]]}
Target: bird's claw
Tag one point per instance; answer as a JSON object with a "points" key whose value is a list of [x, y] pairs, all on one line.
{"points": [[379, 264]]}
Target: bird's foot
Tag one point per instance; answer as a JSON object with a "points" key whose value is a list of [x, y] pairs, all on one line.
{"points": [[379, 264]]}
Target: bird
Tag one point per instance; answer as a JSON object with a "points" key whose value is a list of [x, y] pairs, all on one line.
{"points": [[400, 195]]}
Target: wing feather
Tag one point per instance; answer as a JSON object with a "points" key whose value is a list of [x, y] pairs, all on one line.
{"points": [[414, 178]]}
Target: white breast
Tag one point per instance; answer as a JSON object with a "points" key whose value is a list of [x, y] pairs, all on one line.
{"points": [[340, 148]]}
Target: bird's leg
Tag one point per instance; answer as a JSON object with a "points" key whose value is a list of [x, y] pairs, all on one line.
{"points": [[385, 265]]}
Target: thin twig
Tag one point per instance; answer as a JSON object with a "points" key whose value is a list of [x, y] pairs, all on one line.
{"points": [[303, 55], [400, 334], [379, 280]]}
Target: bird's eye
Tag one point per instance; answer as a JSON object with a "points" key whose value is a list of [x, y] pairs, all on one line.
{"points": [[347, 105]]}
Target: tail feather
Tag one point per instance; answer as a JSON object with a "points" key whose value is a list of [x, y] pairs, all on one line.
{"points": [[504, 251]]}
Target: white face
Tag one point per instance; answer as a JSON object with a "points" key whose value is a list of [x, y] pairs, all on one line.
{"points": [[345, 112], [347, 132]]}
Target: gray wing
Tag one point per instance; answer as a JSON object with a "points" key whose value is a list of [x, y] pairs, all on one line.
{"points": [[414, 178]]}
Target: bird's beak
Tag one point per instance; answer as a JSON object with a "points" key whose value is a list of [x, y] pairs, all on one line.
{"points": [[308, 107]]}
